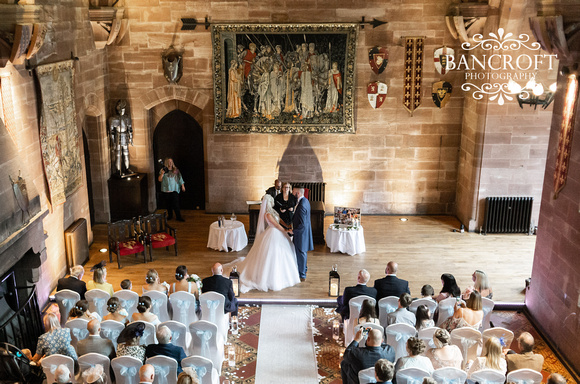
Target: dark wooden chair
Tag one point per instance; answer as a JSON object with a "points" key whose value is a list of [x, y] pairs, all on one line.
{"points": [[125, 239], [158, 233]]}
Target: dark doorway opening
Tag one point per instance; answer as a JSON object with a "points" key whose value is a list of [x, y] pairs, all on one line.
{"points": [[89, 178], [179, 136]]}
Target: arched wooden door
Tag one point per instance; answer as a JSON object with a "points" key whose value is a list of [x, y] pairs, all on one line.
{"points": [[179, 136]]}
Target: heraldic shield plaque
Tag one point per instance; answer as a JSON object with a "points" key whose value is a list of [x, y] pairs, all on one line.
{"points": [[378, 59], [441, 93], [442, 60], [377, 92]]}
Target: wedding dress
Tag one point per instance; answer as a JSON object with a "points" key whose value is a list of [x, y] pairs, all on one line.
{"points": [[271, 263]]}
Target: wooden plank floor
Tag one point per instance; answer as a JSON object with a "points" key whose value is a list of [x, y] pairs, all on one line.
{"points": [[424, 246]]}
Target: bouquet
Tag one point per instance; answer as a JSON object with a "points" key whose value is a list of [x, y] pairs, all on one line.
{"points": [[195, 279]]}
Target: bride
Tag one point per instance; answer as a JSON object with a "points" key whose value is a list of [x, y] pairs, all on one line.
{"points": [[271, 263]]}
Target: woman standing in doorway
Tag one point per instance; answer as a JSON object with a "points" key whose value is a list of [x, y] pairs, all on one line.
{"points": [[171, 184]]}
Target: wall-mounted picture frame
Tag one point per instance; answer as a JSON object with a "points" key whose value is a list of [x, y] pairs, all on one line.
{"points": [[284, 78]]}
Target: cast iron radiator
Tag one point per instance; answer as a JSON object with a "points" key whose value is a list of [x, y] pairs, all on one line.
{"points": [[316, 190], [508, 214]]}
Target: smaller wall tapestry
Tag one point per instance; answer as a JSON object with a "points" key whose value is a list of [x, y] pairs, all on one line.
{"points": [[413, 73], [59, 135]]}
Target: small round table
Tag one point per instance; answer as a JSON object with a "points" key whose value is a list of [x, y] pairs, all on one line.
{"points": [[232, 235], [350, 241]]}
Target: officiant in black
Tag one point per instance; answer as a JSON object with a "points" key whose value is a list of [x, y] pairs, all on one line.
{"points": [[285, 204]]}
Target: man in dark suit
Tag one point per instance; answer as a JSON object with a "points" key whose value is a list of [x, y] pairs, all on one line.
{"points": [[94, 343], [276, 189], [74, 282], [218, 283], [165, 348], [302, 231], [356, 359], [391, 285], [352, 292]]}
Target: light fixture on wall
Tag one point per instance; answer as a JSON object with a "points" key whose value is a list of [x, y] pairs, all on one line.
{"points": [[533, 93]]}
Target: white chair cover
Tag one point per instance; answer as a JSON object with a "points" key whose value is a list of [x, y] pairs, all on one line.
{"points": [[50, 363], [183, 305], [89, 360], [66, 299], [427, 336], [212, 310], [97, 299], [411, 376], [204, 368], [126, 369], [367, 375], [165, 369], [367, 325], [110, 329], [446, 309], [387, 305], [487, 305], [179, 333], [469, 342], [204, 342], [431, 304], [449, 375], [158, 304], [524, 376], [354, 305], [504, 335], [397, 336], [78, 330], [129, 301], [149, 336], [488, 376]]}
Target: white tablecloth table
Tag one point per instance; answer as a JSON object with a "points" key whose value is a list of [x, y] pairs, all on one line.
{"points": [[347, 241], [231, 235]]}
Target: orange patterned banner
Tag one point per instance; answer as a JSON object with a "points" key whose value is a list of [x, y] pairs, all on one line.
{"points": [[566, 129], [413, 73]]}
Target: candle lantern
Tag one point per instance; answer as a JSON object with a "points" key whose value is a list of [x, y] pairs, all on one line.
{"points": [[235, 278], [333, 282]]}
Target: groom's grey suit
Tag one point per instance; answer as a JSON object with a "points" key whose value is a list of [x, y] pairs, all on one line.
{"points": [[302, 238]]}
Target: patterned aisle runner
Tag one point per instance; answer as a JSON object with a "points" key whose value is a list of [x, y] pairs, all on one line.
{"points": [[286, 346]]}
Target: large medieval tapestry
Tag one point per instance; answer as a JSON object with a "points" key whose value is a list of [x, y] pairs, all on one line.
{"points": [[59, 136], [287, 78]]}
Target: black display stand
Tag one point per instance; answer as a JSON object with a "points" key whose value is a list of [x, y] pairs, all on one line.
{"points": [[128, 197]]}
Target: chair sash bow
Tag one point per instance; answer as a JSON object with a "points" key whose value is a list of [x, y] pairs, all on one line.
{"points": [[204, 336], [53, 368], [99, 304], [212, 306], [79, 333], [110, 334], [68, 303], [183, 308], [467, 343], [388, 307], [156, 304], [201, 371], [401, 339], [161, 374], [410, 379]]}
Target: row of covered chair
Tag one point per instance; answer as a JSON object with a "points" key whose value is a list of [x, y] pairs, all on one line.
{"points": [[450, 375], [126, 368], [130, 237]]}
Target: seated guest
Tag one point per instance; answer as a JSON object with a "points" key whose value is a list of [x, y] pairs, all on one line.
{"points": [[384, 371], [276, 189], [62, 375], [116, 312], [467, 314], [81, 311], [182, 283], [391, 285], [493, 358], [165, 347], [153, 283], [556, 378], [352, 292], [450, 288], [368, 313], [74, 282], [144, 314], [95, 375], [188, 376], [423, 318], [427, 292], [94, 343], [284, 204], [429, 380], [402, 314], [444, 354], [129, 339], [99, 280], [480, 284], [415, 348], [356, 359], [218, 283], [55, 340], [126, 285], [526, 358], [146, 374]]}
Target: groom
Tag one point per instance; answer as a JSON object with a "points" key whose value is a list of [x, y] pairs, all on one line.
{"points": [[302, 230]]}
